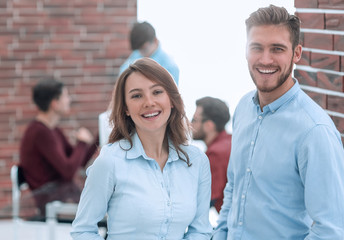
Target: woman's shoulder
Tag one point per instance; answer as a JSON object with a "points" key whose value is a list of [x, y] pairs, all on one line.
{"points": [[195, 154]]}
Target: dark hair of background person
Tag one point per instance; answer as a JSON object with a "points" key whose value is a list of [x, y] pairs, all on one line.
{"points": [[178, 126], [45, 92], [273, 15], [140, 34], [215, 110]]}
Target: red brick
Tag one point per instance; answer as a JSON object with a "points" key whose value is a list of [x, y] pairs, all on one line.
{"points": [[335, 103], [338, 43], [306, 78], [88, 71], [312, 20], [306, 3], [334, 22], [320, 99], [331, 4], [339, 122], [305, 59], [318, 41], [325, 61], [342, 64], [330, 81]]}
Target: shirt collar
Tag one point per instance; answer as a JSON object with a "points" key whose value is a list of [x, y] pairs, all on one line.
{"points": [[281, 100], [137, 150]]}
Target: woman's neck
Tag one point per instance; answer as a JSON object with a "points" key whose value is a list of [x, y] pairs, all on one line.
{"points": [[156, 147]]}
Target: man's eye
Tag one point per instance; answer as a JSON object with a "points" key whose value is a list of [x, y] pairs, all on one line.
{"points": [[256, 49], [278, 49]]}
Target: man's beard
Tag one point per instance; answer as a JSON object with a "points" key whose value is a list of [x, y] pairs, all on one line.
{"points": [[199, 135], [280, 81]]}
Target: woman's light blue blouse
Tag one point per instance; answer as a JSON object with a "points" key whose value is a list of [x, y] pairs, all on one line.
{"points": [[141, 201]]}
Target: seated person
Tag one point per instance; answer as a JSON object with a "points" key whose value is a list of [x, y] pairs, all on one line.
{"points": [[48, 160]]}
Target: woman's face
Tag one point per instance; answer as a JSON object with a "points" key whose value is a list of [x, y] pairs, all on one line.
{"points": [[148, 104]]}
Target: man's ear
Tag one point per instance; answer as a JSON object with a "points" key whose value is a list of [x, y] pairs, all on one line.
{"points": [[209, 125], [53, 104], [297, 53]]}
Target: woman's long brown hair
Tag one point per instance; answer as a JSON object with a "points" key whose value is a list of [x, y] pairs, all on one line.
{"points": [[178, 126]]}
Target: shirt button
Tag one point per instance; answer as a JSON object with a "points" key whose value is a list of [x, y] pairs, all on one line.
{"points": [[252, 142], [243, 196], [240, 223], [248, 170], [260, 117]]}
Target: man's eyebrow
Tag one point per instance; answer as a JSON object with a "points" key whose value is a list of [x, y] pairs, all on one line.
{"points": [[279, 45]]}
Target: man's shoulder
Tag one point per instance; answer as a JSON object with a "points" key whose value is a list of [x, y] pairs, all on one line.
{"points": [[221, 145], [312, 111]]}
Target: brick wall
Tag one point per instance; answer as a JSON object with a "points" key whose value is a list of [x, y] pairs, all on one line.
{"points": [[321, 69], [80, 42]]}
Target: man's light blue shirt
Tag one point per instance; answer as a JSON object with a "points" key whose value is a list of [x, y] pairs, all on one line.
{"points": [[160, 56], [286, 172], [143, 202]]}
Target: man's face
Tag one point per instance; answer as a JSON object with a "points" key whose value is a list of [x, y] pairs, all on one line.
{"points": [[62, 104], [148, 48], [197, 125], [270, 58]]}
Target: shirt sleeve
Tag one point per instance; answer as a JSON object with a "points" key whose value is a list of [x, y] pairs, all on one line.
{"points": [[99, 187], [321, 167], [220, 232], [55, 153], [200, 227]]}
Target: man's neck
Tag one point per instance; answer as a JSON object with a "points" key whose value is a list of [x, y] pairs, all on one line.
{"points": [[266, 98], [50, 119], [210, 138]]}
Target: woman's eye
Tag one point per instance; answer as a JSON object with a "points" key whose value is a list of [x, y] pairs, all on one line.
{"points": [[136, 96], [156, 92]]}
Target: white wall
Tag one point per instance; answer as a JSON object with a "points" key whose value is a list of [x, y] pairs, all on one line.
{"points": [[207, 39]]}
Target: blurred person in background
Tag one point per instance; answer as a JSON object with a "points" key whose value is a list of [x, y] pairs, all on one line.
{"points": [[144, 43], [48, 160], [208, 125]]}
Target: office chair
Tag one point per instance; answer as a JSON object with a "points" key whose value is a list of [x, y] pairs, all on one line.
{"points": [[18, 185]]}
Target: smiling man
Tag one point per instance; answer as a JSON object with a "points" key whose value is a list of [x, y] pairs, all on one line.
{"points": [[286, 170]]}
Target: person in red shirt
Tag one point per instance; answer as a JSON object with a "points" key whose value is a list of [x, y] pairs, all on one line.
{"points": [[48, 160], [208, 125]]}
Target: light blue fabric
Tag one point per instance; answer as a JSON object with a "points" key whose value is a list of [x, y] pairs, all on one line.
{"points": [[286, 170], [159, 56], [141, 201]]}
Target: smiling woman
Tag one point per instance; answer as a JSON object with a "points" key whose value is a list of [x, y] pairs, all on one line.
{"points": [[207, 40], [154, 185]]}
